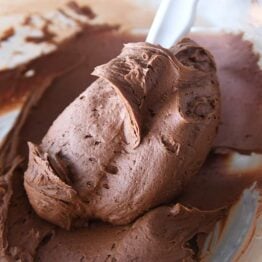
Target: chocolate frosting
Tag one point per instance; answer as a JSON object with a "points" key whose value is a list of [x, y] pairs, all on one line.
{"points": [[27, 237], [166, 233], [131, 140]]}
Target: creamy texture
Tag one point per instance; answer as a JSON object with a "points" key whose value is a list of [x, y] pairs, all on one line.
{"points": [[25, 236], [95, 45], [167, 233], [131, 141]]}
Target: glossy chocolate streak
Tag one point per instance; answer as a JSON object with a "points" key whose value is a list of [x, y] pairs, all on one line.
{"points": [[16, 85]]}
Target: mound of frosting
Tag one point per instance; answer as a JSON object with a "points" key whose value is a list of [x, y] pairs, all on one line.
{"points": [[131, 140]]}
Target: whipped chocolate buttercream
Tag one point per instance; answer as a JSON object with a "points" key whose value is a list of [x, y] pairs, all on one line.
{"points": [[131, 140], [167, 233]]}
